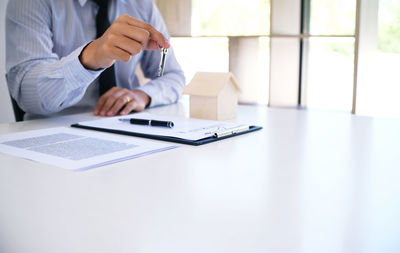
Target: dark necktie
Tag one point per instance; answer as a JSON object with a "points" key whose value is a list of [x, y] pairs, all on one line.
{"points": [[107, 77]]}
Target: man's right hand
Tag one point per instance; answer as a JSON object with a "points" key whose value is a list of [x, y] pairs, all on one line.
{"points": [[125, 38]]}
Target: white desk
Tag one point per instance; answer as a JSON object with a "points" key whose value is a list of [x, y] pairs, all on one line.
{"points": [[308, 182]]}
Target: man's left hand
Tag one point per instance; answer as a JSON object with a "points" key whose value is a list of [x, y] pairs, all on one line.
{"points": [[121, 100]]}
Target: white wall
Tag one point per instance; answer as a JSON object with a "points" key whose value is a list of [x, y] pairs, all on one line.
{"points": [[6, 112]]}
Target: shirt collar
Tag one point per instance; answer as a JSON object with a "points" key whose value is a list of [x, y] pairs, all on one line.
{"points": [[82, 2]]}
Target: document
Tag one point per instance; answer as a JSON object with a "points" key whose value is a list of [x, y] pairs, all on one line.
{"points": [[185, 129], [179, 129], [76, 149]]}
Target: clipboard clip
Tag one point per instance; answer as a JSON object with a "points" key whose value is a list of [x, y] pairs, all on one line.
{"points": [[231, 131]]}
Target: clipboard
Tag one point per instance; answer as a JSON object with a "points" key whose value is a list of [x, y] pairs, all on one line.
{"points": [[110, 125]]}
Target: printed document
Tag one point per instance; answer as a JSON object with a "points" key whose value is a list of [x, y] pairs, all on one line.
{"points": [[76, 149]]}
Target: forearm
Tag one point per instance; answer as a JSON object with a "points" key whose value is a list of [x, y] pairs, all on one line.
{"points": [[45, 86]]}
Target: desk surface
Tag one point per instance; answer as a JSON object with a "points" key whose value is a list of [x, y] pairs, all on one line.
{"points": [[310, 181]]}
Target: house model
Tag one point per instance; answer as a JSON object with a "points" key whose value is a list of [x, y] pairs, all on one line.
{"points": [[213, 96]]}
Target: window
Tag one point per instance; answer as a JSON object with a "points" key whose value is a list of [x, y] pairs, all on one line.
{"points": [[190, 53], [330, 73], [328, 80], [222, 36], [230, 17], [329, 54], [332, 17], [379, 78]]}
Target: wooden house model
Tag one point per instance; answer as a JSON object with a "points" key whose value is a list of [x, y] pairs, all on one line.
{"points": [[213, 96]]}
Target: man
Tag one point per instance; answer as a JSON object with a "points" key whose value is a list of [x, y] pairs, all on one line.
{"points": [[59, 53]]}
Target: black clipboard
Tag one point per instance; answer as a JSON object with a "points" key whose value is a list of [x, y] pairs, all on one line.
{"points": [[169, 138]]}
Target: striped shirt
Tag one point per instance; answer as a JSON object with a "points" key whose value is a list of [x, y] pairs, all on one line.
{"points": [[44, 39]]}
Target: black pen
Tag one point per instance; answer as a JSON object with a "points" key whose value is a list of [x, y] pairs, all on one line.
{"points": [[149, 122]]}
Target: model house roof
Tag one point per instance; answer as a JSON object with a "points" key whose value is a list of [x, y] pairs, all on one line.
{"points": [[210, 83]]}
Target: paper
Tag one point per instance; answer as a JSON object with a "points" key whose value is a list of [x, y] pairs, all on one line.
{"points": [[76, 149], [188, 129]]}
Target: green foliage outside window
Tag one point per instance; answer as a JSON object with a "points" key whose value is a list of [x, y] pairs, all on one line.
{"points": [[333, 17], [230, 17], [337, 17], [389, 26], [328, 17]]}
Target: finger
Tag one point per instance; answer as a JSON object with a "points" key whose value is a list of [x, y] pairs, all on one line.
{"points": [[110, 101], [135, 33], [154, 34], [128, 45], [119, 103], [152, 45], [129, 107], [119, 54], [103, 99]]}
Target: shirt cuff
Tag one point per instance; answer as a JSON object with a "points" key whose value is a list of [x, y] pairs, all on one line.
{"points": [[151, 93], [75, 73]]}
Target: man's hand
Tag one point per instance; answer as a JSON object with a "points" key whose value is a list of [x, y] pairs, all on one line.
{"points": [[125, 38], [119, 98]]}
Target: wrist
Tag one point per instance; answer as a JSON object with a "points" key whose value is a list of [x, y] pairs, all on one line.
{"points": [[87, 58], [142, 96]]}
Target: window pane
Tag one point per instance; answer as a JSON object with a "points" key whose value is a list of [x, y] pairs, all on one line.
{"points": [[254, 89], [379, 79], [333, 17], [389, 26], [330, 73], [230, 17], [201, 54]]}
